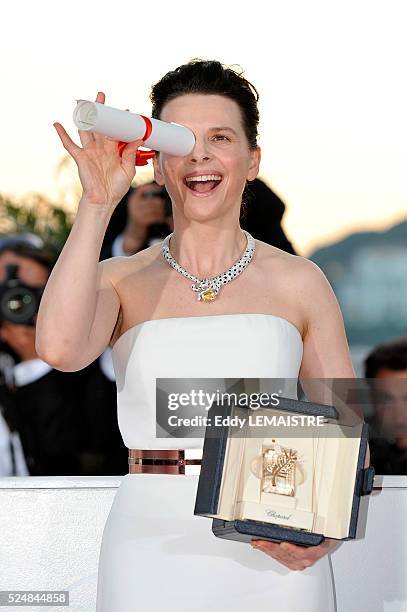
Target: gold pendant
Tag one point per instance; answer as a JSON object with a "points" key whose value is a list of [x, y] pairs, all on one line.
{"points": [[279, 466], [208, 295]]}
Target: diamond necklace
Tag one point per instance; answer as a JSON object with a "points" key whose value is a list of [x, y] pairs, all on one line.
{"points": [[208, 288]]}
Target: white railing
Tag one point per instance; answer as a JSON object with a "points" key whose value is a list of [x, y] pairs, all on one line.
{"points": [[51, 529]]}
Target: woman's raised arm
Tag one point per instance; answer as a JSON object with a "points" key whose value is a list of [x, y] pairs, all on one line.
{"points": [[79, 306]]}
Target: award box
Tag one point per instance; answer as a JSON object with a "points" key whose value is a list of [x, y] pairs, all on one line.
{"points": [[256, 484]]}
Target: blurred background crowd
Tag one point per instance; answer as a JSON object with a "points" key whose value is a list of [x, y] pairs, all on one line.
{"points": [[65, 423]]}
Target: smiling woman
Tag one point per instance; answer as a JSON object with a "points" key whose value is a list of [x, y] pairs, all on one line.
{"points": [[219, 165], [181, 96], [266, 322], [202, 183]]}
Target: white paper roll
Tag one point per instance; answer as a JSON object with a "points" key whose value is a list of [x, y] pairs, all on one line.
{"points": [[121, 125]]}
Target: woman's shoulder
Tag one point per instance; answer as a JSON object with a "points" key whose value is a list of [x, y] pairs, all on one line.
{"points": [[121, 266], [295, 267], [299, 282], [303, 289]]}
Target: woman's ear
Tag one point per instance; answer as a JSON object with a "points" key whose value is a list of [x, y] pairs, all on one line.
{"points": [[158, 175], [254, 165]]}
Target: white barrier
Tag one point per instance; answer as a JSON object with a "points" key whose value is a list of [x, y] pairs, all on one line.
{"points": [[51, 529]]}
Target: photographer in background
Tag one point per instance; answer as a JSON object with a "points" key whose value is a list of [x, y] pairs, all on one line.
{"points": [[12, 460], [144, 217], [37, 402], [61, 430]]}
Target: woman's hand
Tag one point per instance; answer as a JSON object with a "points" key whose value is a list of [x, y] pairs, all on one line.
{"points": [[292, 556], [105, 176]]}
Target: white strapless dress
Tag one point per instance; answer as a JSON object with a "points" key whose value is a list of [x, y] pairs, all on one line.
{"points": [[155, 555]]}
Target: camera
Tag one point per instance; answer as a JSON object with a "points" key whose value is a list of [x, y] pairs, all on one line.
{"points": [[18, 302]]}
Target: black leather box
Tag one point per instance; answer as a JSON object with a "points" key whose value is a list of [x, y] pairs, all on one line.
{"points": [[332, 477]]}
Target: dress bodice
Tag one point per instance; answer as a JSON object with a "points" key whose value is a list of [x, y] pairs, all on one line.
{"points": [[214, 346]]}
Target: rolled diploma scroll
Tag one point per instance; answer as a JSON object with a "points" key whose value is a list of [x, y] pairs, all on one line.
{"points": [[121, 125]]}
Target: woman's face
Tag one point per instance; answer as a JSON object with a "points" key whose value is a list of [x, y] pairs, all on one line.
{"points": [[211, 179]]}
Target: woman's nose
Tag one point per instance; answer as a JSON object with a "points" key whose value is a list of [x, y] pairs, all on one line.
{"points": [[198, 158], [199, 152]]}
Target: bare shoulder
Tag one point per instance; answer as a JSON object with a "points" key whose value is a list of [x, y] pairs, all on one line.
{"points": [[302, 288], [115, 269], [298, 271], [309, 298]]}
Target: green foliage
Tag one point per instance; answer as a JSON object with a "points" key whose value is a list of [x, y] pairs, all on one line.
{"points": [[38, 215]]}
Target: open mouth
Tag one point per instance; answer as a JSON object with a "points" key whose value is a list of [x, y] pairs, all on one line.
{"points": [[203, 183]]}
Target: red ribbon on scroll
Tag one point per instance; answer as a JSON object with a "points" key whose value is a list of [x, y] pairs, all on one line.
{"points": [[142, 157]]}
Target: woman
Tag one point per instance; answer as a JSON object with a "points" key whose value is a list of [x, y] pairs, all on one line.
{"points": [[274, 317]]}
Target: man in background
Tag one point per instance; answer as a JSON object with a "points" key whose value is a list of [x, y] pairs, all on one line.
{"points": [[386, 371], [67, 421]]}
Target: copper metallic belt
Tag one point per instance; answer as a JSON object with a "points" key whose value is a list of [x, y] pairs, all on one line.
{"points": [[179, 461]]}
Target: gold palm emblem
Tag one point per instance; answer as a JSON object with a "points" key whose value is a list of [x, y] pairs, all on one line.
{"points": [[279, 470]]}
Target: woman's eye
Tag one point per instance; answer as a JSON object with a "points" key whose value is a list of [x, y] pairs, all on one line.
{"points": [[221, 137]]}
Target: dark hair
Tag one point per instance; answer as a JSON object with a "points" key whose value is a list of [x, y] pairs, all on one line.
{"points": [[391, 355], [30, 246], [210, 77]]}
